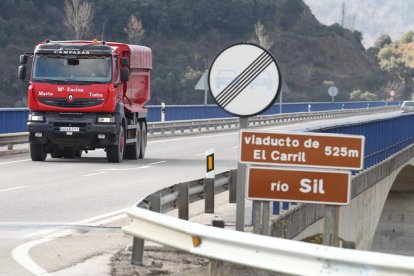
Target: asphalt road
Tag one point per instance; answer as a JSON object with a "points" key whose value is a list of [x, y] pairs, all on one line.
{"points": [[37, 196]]}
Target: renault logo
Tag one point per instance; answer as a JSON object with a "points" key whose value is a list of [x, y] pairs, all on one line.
{"points": [[70, 98]]}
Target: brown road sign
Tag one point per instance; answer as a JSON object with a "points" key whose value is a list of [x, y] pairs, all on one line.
{"points": [[299, 185], [302, 149]]}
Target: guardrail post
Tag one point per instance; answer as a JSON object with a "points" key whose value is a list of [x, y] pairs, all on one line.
{"points": [[209, 195], [348, 244], [183, 201], [10, 147], [265, 218], [330, 235], [155, 200], [257, 216], [232, 186], [137, 251], [214, 267]]}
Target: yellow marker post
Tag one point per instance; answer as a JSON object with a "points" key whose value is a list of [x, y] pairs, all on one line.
{"points": [[210, 163], [209, 182]]}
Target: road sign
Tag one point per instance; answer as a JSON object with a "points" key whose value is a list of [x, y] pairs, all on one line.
{"points": [[244, 79], [392, 93], [299, 185], [302, 149], [202, 83], [333, 91]]}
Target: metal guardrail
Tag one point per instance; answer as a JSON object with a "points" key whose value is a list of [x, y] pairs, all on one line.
{"points": [[273, 254], [181, 195], [210, 125]]}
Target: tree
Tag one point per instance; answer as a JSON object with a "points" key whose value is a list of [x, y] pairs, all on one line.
{"points": [[382, 41], [261, 37], [134, 29], [358, 95], [78, 17], [407, 37]]}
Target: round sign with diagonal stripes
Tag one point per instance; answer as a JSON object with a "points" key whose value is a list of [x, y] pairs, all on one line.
{"points": [[244, 79]]}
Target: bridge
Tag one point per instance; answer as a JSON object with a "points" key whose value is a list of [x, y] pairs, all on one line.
{"points": [[75, 193]]}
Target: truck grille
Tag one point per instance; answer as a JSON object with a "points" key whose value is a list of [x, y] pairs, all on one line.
{"points": [[78, 103]]}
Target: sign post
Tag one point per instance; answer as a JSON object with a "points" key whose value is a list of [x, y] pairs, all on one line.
{"points": [[241, 185], [245, 80], [392, 94], [331, 227], [333, 91]]}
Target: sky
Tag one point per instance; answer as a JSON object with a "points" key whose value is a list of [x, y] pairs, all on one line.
{"points": [[372, 17]]}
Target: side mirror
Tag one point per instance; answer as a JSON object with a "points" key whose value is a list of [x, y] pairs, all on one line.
{"points": [[124, 74], [23, 59], [124, 62], [21, 74]]}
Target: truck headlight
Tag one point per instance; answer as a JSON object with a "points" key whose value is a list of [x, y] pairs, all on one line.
{"points": [[106, 120], [36, 118]]}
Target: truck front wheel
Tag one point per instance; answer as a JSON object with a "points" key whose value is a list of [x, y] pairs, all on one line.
{"points": [[37, 152], [115, 153]]}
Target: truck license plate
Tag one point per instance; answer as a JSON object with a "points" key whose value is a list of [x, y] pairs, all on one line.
{"points": [[69, 129]]}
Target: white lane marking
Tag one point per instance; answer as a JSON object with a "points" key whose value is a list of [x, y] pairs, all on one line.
{"points": [[18, 161], [178, 139], [123, 169], [88, 220], [21, 253], [199, 154], [131, 168], [14, 188], [235, 147], [156, 163], [109, 220], [92, 174]]}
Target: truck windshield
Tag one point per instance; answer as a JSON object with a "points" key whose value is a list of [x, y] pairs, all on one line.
{"points": [[63, 69]]}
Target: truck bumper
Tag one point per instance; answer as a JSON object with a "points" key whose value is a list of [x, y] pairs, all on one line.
{"points": [[74, 130]]}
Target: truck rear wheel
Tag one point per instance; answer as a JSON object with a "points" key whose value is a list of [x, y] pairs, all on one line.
{"points": [[143, 147], [37, 152], [115, 153], [133, 151]]}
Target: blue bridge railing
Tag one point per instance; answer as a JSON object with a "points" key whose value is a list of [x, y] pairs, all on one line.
{"points": [[14, 119], [383, 138]]}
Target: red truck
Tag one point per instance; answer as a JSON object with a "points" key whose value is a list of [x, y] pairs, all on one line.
{"points": [[85, 95]]}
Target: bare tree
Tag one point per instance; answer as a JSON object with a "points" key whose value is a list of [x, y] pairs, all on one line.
{"points": [[353, 19], [261, 37], [343, 14], [78, 17], [347, 20], [134, 29]]}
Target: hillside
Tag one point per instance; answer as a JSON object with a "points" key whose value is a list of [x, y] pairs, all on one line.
{"points": [[397, 58], [185, 37], [372, 17]]}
